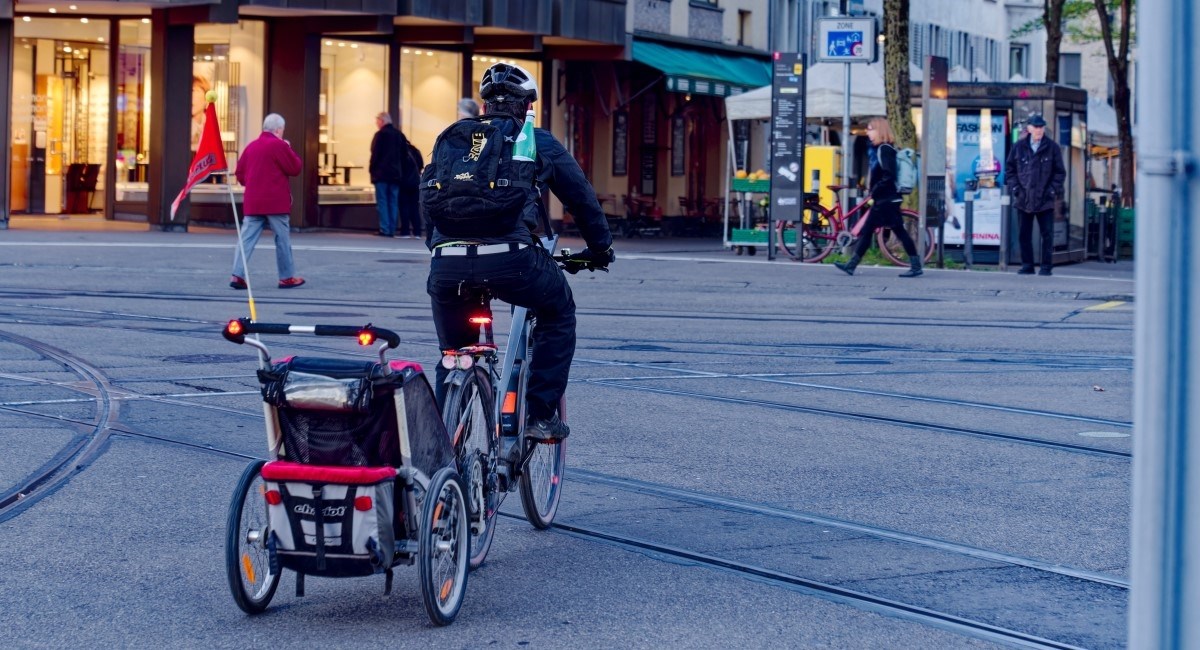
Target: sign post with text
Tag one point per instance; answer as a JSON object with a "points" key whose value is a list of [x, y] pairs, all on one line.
{"points": [[787, 143]]}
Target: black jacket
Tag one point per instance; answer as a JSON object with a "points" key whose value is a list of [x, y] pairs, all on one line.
{"points": [[882, 180], [389, 156], [1035, 179], [558, 171]]}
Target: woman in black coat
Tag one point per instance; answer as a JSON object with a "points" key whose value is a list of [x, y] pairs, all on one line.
{"points": [[886, 198]]}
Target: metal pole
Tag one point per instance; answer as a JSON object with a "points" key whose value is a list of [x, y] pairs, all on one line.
{"points": [[1165, 549], [847, 150], [1005, 220], [969, 229]]}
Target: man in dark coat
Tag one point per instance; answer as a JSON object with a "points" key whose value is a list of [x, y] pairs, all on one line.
{"points": [[1034, 175], [389, 166]]}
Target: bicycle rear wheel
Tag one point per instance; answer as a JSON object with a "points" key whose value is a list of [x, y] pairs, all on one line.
{"points": [[471, 422], [815, 240], [541, 480], [891, 247]]}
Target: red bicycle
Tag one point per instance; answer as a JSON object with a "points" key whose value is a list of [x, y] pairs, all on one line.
{"points": [[826, 229]]}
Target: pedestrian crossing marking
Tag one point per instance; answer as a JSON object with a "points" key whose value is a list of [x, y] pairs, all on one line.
{"points": [[1106, 305]]}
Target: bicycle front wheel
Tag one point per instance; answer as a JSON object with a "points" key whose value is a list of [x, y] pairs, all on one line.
{"points": [[471, 422], [541, 480], [891, 247], [815, 240]]}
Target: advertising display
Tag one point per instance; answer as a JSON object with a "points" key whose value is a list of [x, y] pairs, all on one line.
{"points": [[977, 146]]}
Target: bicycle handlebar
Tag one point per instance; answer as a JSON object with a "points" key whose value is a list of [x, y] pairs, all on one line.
{"points": [[573, 264], [236, 331]]}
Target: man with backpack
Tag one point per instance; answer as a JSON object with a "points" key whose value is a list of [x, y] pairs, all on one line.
{"points": [[478, 201]]}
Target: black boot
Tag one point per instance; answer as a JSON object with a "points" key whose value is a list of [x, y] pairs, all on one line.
{"points": [[849, 267], [914, 268]]}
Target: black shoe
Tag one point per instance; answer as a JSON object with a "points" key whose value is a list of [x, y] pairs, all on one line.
{"points": [[551, 430], [1025, 270], [845, 266], [1044, 272], [912, 273], [382, 234]]}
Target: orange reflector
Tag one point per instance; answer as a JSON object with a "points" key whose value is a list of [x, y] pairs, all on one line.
{"points": [[510, 402], [248, 568], [363, 504], [274, 497], [234, 327], [365, 338], [446, 588], [481, 320], [437, 512]]}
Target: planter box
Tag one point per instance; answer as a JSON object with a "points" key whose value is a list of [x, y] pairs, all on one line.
{"points": [[747, 185]]}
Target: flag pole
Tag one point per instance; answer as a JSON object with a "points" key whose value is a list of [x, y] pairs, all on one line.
{"points": [[241, 249]]}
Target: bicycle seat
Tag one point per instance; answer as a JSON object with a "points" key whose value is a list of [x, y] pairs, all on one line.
{"points": [[837, 188]]}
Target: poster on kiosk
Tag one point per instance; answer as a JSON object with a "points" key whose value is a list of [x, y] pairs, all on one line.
{"points": [[976, 149]]}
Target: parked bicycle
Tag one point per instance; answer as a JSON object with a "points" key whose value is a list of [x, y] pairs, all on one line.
{"points": [[828, 229], [484, 411]]}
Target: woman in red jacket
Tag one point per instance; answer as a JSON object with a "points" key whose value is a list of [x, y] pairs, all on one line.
{"points": [[263, 169]]}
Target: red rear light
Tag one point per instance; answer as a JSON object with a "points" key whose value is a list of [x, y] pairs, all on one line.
{"points": [[234, 327], [363, 504], [481, 320], [365, 338], [274, 497]]}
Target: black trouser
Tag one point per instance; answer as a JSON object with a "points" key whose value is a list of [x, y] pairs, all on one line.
{"points": [[527, 278], [885, 215], [410, 212], [1045, 219]]}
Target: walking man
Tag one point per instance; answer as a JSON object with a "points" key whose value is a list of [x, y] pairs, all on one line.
{"points": [[389, 163], [1034, 175], [263, 169]]}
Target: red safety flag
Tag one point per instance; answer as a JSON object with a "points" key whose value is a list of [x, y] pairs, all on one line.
{"points": [[210, 157]]}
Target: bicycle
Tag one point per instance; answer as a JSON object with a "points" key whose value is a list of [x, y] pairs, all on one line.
{"points": [[484, 411], [828, 228]]}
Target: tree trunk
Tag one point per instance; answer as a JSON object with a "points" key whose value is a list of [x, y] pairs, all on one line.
{"points": [[895, 72], [1052, 11], [1118, 69], [896, 82]]}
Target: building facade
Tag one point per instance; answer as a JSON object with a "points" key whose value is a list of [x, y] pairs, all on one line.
{"points": [[103, 100]]}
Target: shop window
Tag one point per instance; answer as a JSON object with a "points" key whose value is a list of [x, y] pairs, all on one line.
{"points": [[1018, 61], [60, 97], [228, 59], [353, 91], [430, 87]]}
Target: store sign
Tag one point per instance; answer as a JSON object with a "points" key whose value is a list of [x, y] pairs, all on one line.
{"points": [[620, 143], [846, 40], [787, 136]]}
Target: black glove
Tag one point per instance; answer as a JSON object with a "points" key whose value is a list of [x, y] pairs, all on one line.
{"points": [[588, 258]]}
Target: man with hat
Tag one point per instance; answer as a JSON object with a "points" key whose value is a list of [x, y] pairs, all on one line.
{"points": [[1034, 175]]}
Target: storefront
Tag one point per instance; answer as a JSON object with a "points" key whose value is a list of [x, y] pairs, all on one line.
{"points": [[97, 120]]}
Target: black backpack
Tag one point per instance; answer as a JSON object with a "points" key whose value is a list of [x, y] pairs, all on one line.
{"points": [[472, 187]]}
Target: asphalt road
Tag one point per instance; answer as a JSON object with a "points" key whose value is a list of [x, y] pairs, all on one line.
{"points": [[763, 454]]}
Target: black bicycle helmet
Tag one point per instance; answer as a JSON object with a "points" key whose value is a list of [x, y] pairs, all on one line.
{"points": [[503, 82]]}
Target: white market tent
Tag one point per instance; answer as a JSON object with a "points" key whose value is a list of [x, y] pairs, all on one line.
{"points": [[825, 96]]}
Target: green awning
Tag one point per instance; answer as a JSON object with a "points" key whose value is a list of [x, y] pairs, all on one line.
{"points": [[703, 72]]}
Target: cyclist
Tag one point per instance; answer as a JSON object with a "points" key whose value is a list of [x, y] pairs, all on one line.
{"points": [[514, 266]]}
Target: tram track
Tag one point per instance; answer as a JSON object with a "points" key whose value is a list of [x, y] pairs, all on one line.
{"points": [[868, 417], [79, 452], [878, 604]]}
